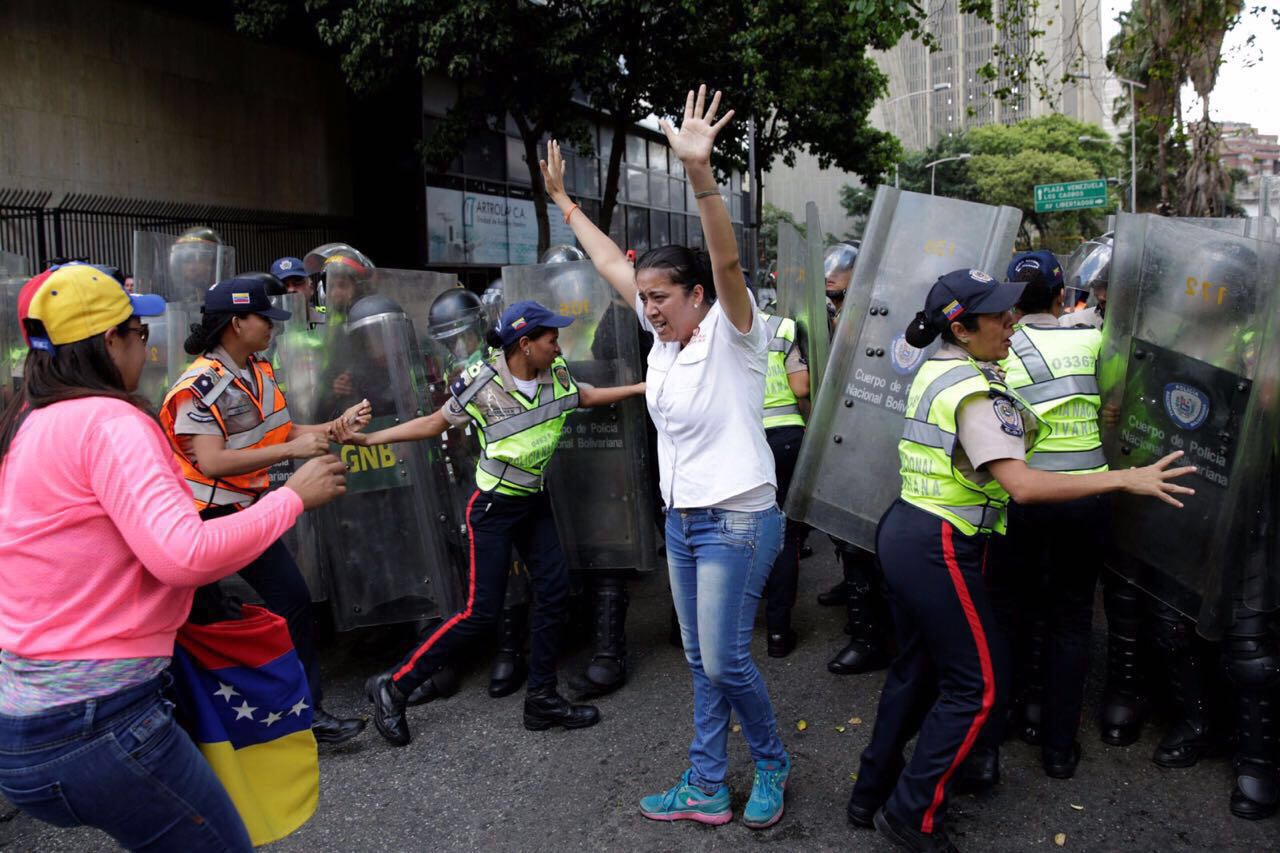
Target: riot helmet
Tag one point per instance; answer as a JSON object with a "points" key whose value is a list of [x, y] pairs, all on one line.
{"points": [[1088, 269], [193, 261], [342, 273], [458, 321], [837, 269], [562, 254]]}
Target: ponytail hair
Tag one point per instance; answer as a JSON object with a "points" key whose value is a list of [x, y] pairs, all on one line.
{"points": [[207, 334], [687, 267]]}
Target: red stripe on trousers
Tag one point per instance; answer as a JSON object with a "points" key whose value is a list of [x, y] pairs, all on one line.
{"points": [[988, 680], [465, 613]]}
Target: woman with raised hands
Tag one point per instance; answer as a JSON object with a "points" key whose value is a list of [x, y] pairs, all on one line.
{"points": [[705, 390]]}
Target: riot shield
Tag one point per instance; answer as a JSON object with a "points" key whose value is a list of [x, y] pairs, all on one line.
{"points": [[298, 356], [384, 540], [802, 293], [181, 273], [1190, 363], [598, 478], [13, 349], [847, 474]]}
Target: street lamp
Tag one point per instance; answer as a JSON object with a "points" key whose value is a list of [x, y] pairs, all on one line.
{"points": [[1115, 181], [936, 87], [932, 167], [1133, 134]]}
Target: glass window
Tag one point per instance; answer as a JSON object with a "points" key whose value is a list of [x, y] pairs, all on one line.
{"points": [[606, 141], [658, 156], [659, 228], [618, 227], [677, 168], [737, 235], [485, 156], [635, 150], [658, 189], [590, 207], [676, 194], [588, 169], [735, 181], [735, 207], [637, 229], [517, 171], [637, 185], [677, 229], [694, 235]]}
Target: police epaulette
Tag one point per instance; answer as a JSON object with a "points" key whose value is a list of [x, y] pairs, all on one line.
{"points": [[209, 386], [471, 380]]}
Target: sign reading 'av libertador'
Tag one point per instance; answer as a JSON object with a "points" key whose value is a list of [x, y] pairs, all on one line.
{"points": [[1074, 195]]}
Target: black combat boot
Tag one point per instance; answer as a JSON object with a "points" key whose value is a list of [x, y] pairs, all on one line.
{"points": [[1253, 666], [1190, 737], [867, 623], [508, 671], [607, 670], [388, 709], [980, 771], [544, 708], [1124, 703], [335, 730], [835, 596], [442, 684]]}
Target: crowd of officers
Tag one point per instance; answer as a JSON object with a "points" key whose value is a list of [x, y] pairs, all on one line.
{"points": [[1041, 579]]}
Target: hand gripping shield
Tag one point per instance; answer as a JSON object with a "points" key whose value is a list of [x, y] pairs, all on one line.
{"points": [[599, 477], [1191, 362], [847, 474]]}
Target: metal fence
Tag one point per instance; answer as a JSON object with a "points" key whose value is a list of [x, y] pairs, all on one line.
{"points": [[41, 226]]}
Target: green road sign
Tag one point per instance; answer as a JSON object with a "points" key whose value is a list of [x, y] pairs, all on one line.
{"points": [[1075, 195]]}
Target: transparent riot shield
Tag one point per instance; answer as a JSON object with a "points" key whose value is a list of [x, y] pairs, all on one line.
{"points": [[802, 293], [181, 273], [13, 349], [847, 474], [1255, 227], [384, 539], [598, 478], [1190, 363], [298, 356]]}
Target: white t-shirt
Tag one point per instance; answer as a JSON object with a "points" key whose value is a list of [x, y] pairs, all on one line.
{"points": [[705, 401]]}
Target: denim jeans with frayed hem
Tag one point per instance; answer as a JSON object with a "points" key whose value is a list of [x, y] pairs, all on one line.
{"points": [[719, 561]]}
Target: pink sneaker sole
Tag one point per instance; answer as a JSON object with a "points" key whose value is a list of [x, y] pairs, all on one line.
{"points": [[701, 817]]}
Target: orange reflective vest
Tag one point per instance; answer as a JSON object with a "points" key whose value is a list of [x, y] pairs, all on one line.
{"points": [[261, 422]]}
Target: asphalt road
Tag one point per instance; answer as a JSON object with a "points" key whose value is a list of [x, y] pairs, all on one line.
{"points": [[474, 779]]}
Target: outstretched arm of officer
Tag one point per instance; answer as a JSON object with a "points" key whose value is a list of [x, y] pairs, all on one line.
{"points": [[417, 429], [215, 459], [589, 398], [1026, 485], [357, 417], [609, 260], [693, 145]]}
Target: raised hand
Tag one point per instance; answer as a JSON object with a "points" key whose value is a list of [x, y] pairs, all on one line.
{"points": [[358, 415], [553, 171], [698, 130]]}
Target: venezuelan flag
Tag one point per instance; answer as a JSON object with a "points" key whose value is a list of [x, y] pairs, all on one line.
{"points": [[243, 693]]}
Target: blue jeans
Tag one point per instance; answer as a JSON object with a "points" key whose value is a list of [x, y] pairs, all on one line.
{"points": [[121, 764], [719, 562]]}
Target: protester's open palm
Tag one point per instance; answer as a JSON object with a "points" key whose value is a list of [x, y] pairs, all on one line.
{"points": [[698, 130], [553, 170]]}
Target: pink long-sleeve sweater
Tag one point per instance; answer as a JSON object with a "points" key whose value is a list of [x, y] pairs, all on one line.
{"points": [[100, 545]]}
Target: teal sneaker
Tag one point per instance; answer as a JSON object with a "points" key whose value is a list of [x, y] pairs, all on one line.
{"points": [[686, 801], [764, 809]]}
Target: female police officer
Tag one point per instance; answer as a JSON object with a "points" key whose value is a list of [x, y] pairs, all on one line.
{"points": [[228, 422], [962, 456], [519, 399]]}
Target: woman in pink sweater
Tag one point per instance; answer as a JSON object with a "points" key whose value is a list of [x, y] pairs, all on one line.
{"points": [[100, 552]]}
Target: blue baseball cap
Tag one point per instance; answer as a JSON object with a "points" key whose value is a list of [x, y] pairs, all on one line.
{"points": [[1040, 265], [956, 294], [522, 317], [248, 293], [287, 267]]}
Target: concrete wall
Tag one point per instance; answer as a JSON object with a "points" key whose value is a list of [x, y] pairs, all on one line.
{"points": [[118, 98]]}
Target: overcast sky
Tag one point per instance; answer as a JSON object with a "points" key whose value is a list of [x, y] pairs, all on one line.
{"points": [[1242, 92]]}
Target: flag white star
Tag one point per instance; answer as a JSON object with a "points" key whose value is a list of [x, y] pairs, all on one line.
{"points": [[226, 691], [299, 708], [273, 717], [245, 710]]}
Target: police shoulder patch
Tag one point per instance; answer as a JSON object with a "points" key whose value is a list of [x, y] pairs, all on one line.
{"points": [[562, 376], [1007, 414], [458, 385], [204, 384]]}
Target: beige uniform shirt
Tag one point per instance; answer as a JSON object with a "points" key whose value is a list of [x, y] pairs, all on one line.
{"points": [[983, 429]]}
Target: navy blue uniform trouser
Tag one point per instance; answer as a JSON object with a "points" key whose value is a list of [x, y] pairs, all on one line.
{"points": [[495, 522], [276, 577], [1046, 570], [945, 680], [780, 590]]}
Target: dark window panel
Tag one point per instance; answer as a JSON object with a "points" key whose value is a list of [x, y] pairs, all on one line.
{"points": [[618, 226], [637, 185], [658, 156], [659, 228], [638, 229], [676, 194], [636, 150], [658, 190], [678, 235]]}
